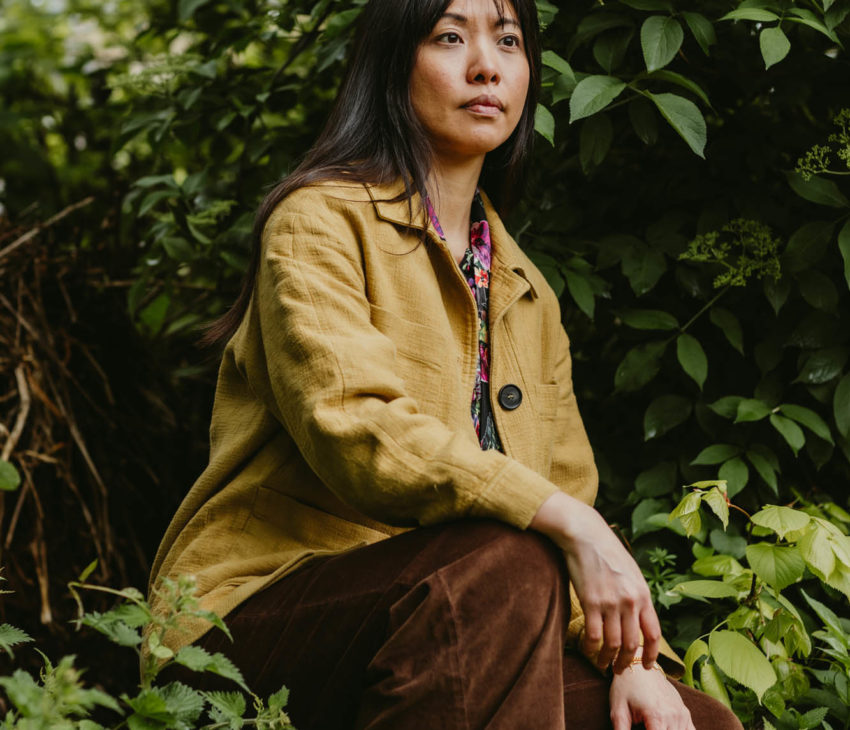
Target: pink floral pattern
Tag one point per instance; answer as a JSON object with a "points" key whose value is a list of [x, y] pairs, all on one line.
{"points": [[475, 267]]}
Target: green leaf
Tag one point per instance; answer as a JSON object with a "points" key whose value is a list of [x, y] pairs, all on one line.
{"points": [[640, 365], [760, 15], [818, 290], [740, 659], [712, 684], [593, 94], [727, 544], [226, 707], [716, 454], [649, 319], [685, 117], [643, 267], [790, 431], [692, 358], [764, 469], [683, 81], [581, 291], [774, 45], [707, 589], [841, 406], [544, 124], [12, 636], [649, 515], [278, 700], [736, 475], [823, 365], [186, 8], [809, 419], [701, 29], [664, 414], [660, 39], [687, 512], [817, 190], [777, 566], [751, 409], [825, 614], [644, 120], [817, 551], [727, 406], [844, 247], [659, 479], [716, 499], [595, 139], [649, 5], [554, 61], [781, 520], [10, 480], [199, 660], [730, 326], [610, 48]]}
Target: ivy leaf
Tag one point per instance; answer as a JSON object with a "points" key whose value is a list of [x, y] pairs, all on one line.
{"points": [[707, 589], [790, 431], [742, 660], [729, 326], [715, 454], [664, 414], [808, 418], [660, 39], [751, 409], [692, 358], [776, 565], [701, 29], [685, 117], [649, 319], [593, 94], [10, 480], [544, 124], [640, 365], [781, 520], [841, 406], [774, 45]]}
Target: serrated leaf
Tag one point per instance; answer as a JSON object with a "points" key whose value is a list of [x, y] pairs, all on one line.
{"points": [[660, 39], [712, 684], [790, 431], [544, 124], [685, 118], [701, 29], [841, 406], [687, 512], [808, 418], [716, 500], [649, 319], [664, 414], [12, 636], [715, 454], [707, 589], [781, 520], [774, 45], [776, 565], [730, 326], [593, 94], [759, 15], [741, 660], [227, 707], [751, 409], [278, 700], [10, 480], [692, 358], [199, 660], [640, 365]]}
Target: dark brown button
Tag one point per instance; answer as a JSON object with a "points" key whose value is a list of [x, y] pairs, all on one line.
{"points": [[510, 397]]}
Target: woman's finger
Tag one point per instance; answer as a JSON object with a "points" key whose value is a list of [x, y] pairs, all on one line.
{"points": [[630, 635], [612, 638], [651, 630], [621, 716]]}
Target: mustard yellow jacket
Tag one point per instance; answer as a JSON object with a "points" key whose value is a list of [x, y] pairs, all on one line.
{"points": [[342, 414]]}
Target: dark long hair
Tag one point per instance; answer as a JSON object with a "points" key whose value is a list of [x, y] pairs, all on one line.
{"points": [[374, 136]]}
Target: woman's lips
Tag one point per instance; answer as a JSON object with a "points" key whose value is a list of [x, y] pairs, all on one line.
{"points": [[489, 105]]}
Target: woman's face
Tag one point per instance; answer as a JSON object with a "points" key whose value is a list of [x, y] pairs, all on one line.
{"points": [[470, 79]]}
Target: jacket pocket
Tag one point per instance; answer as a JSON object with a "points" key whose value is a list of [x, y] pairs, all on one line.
{"points": [[546, 402]]}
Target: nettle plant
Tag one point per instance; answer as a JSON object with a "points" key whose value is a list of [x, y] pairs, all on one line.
{"points": [[58, 699], [772, 644]]}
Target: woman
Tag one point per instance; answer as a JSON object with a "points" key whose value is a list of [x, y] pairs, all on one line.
{"points": [[396, 362]]}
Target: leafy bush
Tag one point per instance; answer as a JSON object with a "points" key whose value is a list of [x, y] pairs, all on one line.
{"points": [[59, 699]]}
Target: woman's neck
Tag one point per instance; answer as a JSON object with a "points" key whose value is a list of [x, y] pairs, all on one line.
{"points": [[451, 188]]}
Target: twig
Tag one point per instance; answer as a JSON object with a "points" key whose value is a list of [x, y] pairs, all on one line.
{"points": [[20, 421], [32, 233]]}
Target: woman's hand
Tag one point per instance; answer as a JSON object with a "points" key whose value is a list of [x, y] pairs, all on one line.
{"points": [[644, 695], [612, 591]]}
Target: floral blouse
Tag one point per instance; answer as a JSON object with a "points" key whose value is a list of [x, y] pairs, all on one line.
{"points": [[475, 267]]}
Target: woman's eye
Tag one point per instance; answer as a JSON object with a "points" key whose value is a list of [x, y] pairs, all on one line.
{"points": [[511, 41], [449, 38]]}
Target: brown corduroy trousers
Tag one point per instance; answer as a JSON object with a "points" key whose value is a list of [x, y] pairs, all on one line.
{"points": [[458, 626]]}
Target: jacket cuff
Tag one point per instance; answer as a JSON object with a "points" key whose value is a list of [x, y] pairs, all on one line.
{"points": [[514, 495]]}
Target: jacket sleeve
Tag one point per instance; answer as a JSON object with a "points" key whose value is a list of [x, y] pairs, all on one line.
{"points": [[328, 375]]}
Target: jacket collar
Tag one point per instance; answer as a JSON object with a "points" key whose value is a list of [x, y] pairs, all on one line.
{"points": [[508, 269]]}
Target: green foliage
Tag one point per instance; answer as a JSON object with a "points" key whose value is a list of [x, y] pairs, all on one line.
{"points": [[58, 699]]}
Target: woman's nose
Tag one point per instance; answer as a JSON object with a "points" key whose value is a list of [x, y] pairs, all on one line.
{"points": [[483, 65]]}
